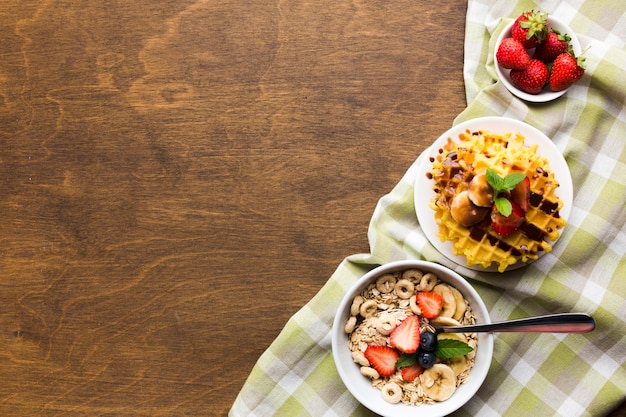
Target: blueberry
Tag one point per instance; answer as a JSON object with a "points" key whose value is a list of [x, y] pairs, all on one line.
{"points": [[426, 359], [428, 341]]}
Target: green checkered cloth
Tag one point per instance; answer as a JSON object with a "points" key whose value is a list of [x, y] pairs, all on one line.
{"points": [[533, 374]]}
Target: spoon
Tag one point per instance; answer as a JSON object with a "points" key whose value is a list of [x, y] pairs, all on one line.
{"points": [[551, 323]]}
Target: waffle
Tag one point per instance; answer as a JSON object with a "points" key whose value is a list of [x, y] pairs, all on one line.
{"points": [[454, 167]]}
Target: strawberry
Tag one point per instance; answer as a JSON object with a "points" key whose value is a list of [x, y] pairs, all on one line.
{"points": [[383, 359], [531, 79], [429, 303], [505, 225], [409, 373], [521, 194], [566, 70], [406, 336], [530, 28], [554, 45], [511, 54]]}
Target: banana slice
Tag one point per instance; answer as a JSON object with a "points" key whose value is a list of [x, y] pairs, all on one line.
{"points": [[438, 382], [444, 321], [458, 363], [460, 303], [449, 303], [456, 336], [473, 343]]}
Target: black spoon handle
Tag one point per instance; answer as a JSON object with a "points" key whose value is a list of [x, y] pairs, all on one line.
{"points": [[552, 323]]}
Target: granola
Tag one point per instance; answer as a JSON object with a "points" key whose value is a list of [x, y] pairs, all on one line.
{"points": [[386, 303]]}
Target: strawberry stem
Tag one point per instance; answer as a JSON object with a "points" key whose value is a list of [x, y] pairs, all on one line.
{"points": [[536, 24]]}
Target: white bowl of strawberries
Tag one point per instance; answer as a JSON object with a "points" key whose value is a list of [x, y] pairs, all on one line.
{"points": [[386, 348], [538, 57]]}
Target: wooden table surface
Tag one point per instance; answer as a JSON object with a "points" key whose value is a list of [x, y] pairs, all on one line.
{"points": [[179, 177]]}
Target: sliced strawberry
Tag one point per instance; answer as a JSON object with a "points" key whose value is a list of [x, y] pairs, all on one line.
{"points": [[521, 194], [409, 373], [383, 359], [505, 225], [429, 303], [406, 336]]}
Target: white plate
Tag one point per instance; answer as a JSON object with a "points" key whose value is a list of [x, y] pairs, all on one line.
{"points": [[424, 186], [504, 74]]}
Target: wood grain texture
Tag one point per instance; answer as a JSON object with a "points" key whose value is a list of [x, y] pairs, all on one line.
{"points": [[179, 177]]}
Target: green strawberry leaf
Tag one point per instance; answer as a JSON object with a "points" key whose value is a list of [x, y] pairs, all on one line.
{"points": [[449, 348]]}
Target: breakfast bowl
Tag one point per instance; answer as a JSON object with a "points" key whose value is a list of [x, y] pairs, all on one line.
{"points": [[504, 74], [368, 320]]}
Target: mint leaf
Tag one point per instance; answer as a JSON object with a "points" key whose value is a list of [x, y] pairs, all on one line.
{"points": [[494, 180], [405, 360], [507, 183], [503, 185], [511, 180], [504, 206], [449, 348]]}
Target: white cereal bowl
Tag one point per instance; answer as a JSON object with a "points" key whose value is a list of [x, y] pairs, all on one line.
{"points": [[504, 74], [360, 387]]}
